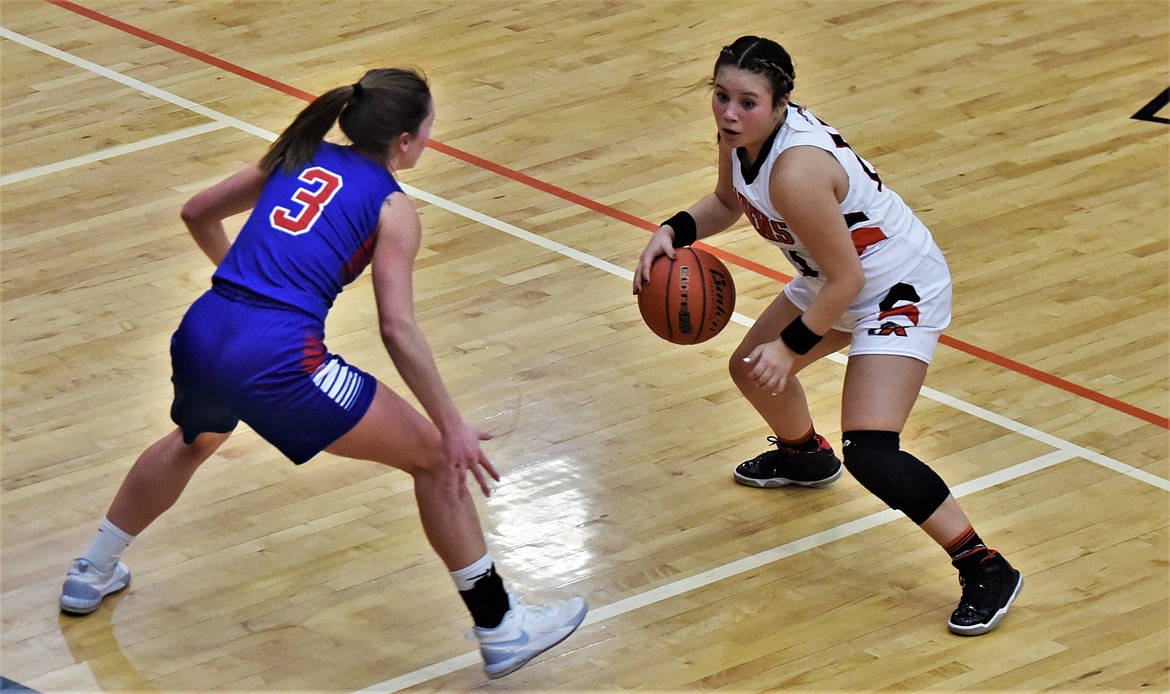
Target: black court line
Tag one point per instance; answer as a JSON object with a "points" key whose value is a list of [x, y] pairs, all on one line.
{"points": [[1147, 112]]}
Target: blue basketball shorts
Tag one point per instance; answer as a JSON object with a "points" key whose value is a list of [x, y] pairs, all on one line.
{"points": [[237, 358]]}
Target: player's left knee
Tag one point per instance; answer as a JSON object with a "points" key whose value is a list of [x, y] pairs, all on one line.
{"points": [[899, 479]]}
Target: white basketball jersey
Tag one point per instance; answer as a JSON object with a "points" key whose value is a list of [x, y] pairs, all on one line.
{"points": [[889, 239]]}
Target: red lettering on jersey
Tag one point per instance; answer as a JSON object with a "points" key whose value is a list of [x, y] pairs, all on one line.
{"points": [[771, 229], [864, 237]]}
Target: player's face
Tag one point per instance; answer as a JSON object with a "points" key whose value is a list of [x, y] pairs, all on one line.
{"points": [[741, 102]]}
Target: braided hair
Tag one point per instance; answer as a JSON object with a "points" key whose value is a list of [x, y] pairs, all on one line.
{"points": [[763, 57]]}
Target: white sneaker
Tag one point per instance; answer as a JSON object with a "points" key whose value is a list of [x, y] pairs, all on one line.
{"points": [[86, 585], [526, 632]]}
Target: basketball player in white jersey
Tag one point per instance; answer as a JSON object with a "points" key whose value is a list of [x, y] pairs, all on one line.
{"points": [[869, 277]]}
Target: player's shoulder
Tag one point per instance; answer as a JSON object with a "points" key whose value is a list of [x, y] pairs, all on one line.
{"points": [[802, 120], [801, 128]]}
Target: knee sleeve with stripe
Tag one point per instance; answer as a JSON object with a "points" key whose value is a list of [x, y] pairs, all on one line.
{"points": [[899, 479]]}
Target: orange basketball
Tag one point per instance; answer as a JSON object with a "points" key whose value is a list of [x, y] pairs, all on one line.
{"points": [[687, 300]]}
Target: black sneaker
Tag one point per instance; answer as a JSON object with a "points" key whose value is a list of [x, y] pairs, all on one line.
{"points": [[785, 466], [990, 585]]}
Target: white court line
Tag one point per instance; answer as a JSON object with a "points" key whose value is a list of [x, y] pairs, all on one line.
{"points": [[739, 566], [1043, 437], [111, 153], [135, 84], [1065, 450], [585, 258], [929, 393]]}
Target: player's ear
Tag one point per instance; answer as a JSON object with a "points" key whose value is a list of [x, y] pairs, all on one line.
{"points": [[400, 143], [397, 147]]}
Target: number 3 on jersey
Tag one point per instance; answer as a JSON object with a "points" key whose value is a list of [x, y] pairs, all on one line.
{"points": [[322, 185]]}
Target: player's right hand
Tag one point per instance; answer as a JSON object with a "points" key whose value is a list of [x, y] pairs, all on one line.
{"points": [[464, 454], [661, 243]]}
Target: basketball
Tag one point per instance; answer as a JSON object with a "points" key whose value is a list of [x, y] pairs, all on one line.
{"points": [[687, 300]]}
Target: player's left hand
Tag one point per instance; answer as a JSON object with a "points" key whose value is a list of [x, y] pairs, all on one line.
{"points": [[771, 362]]}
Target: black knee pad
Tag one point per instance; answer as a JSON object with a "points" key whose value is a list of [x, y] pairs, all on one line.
{"points": [[902, 481]]}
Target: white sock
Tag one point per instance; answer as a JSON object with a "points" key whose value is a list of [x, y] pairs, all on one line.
{"points": [[107, 546], [466, 577]]}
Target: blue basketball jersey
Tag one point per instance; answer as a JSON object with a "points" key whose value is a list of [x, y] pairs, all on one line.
{"points": [[312, 231]]}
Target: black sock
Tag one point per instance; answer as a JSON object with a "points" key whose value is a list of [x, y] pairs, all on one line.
{"points": [[967, 544], [487, 600], [807, 444]]}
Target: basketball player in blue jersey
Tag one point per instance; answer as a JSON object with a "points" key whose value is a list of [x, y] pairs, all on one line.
{"points": [[252, 349], [869, 277]]}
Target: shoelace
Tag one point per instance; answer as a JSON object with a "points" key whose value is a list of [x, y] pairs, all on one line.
{"points": [[531, 611], [978, 592], [770, 453], [789, 450]]}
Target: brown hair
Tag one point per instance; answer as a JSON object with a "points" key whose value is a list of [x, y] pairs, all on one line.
{"points": [[371, 112], [761, 56]]}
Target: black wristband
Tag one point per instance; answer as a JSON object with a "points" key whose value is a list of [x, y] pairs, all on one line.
{"points": [[685, 232], [798, 337]]}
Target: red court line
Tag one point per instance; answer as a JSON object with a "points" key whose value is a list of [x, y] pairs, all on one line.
{"points": [[576, 199]]}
